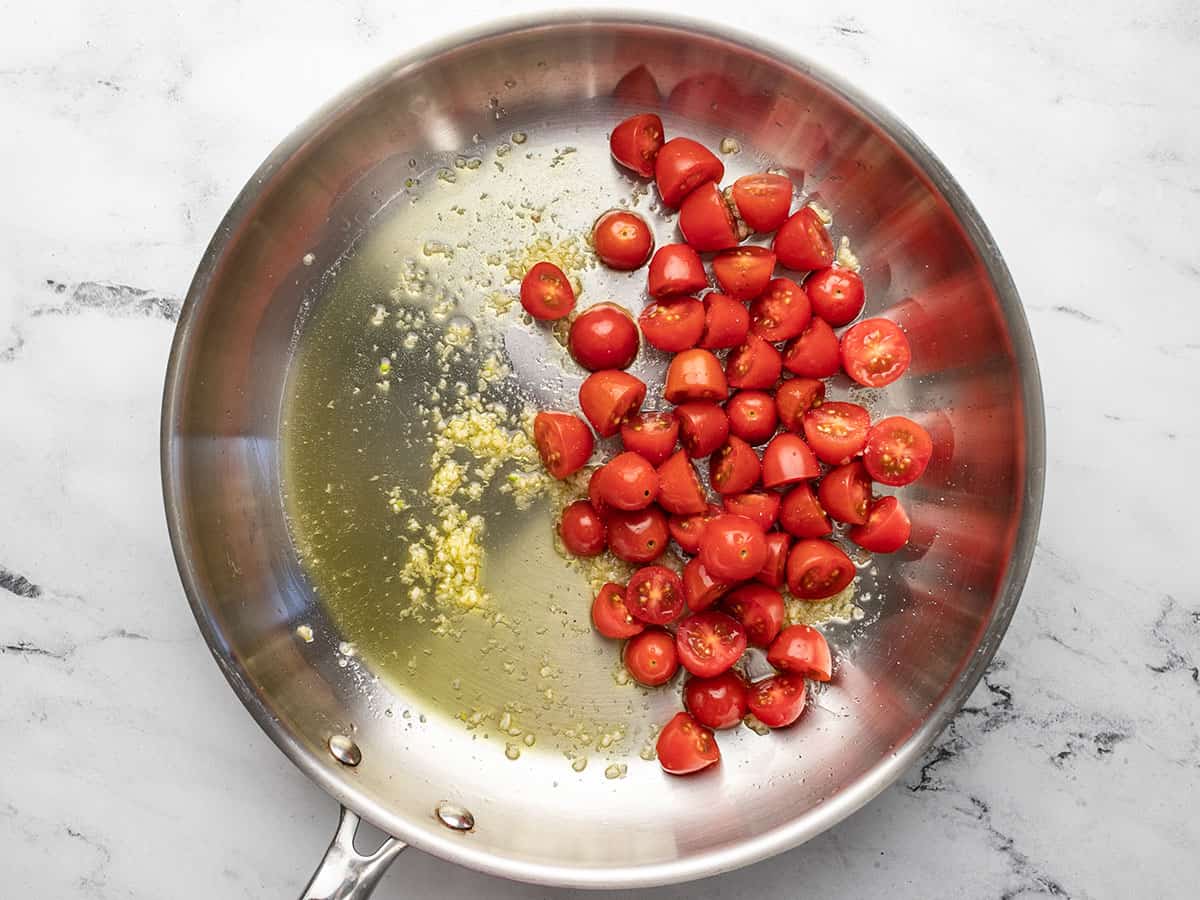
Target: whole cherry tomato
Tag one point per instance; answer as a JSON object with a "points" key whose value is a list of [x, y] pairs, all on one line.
{"points": [[564, 442], [673, 323], [622, 240], [609, 397], [688, 530], [897, 451], [603, 336], [744, 272], [675, 269], [782, 311], [836, 295], [795, 397], [695, 375], [755, 364], [682, 166], [638, 536], [718, 702], [635, 143], [887, 528], [726, 322], [875, 352], [752, 415], [774, 570], [651, 657], [582, 530], [817, 569], [814, 354], [705, 220], [762, 200], [787, 460], [761, 506], [760, 609], [733, 547], [627, 481], [801, 650], [545, 292], [680, 491], [845, 493], [802, 242], [700, 589], [836, 431], [734, 467], [801, 515], [709, 643], [654, 595], [779, 700], [651, 435], [703, 427], [610, 616], [685, 746]]}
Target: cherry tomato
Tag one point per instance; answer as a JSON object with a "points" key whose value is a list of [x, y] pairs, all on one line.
{"points": [[733, 547], [675, 269], [760, 609], [680, 491], [762, 200], [782, 312], [695, 375], [752, 415], [836, 431], [845, 493], [761, 506], [801, 650], [774, 570], [673, 324], [545, 292], [627, 481], [688, 530], [726, 322], [638, 536], [795, 397], [787, 460], [603, 336], [651, 657], [709, 642], [803, 243], [779, 700], [700, 589], [609, 397], [801, 515], [897, 451], [685, 746], [887, 528], [705, 220], [622, 240], [734, 467], [875, 352], [682, 166], [564, 442], [651, 435], [717, 702], [636, 142], [703, 427], [817, 569], [582, 530], [610, 616], [755, 364], [654, 595], [814, 354], [637, 87], [744, 272], [594, 498], [836, 295]]}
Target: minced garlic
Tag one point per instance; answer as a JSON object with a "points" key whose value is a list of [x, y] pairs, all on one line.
{"points": [[845, 256]]}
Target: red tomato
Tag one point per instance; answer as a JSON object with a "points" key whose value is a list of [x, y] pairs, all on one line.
{"points": [[610, 397], [733, 547], [610, 616], [675, 269], [761, 506], [627, 481], [636, 142], [582, 530], [726, 322], [817, 569], [774, 570], [682, 166], [700, 589], [705, 220], [801, 515], [594, 496], [897, 451], [755, 364], [802, 650], [760, 610], [680, 491], [782, 312], [752, 415], [638, 536], [603, 336], [651, 658], [795, 397], [654, 595], [673, 324], [637, 87], [814, 354], [718, 702], [622, 240], [695, 375], [744, 272], [875, 352], [734, 467], [709, 642], [688, 530], [651, 435], [887, 528], [836, 295], [563, 442], [762, 200], [545, 292], [778, 701], [787, 460], [836, 431], [685, 746], [703, 427], [803, 243], [845, 493]]}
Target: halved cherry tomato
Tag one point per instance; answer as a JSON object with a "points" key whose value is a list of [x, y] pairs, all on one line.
{"points": [[887, 528], [654, 595], [603, 336], [622, 240], [594, 496], [637, 87], [801, 515], [845, 493], [726, 322], [705, 220], [814, 353], [733, 547], [762, 200], [709, 642], [680, 491], [651, 435], [752, 415], [836, 431], [703, 427], [685, 746], [636, 142], [782, 312], [795, 397], [637, 536], [875, 352], [609, 397], [675, 269], [651, 657], [760, 609], [610, 616], [761, 506], [802, 650], [744, 272], [627, 481], [717, 702], [802, 242], [779, 700], [682, 166], [787, 460], [836, 295], [755, 364], [695, 375], [688, 530], [734, 467], [774, 570], [897, 451], [545, 292], [700, 589], [673, 323], [817, 569], [582, 530], [564, 442]]}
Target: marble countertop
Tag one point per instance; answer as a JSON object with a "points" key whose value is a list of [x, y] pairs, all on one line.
{"points": [[127, 768]]}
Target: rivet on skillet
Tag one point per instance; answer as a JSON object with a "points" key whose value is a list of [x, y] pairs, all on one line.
{"points": [[345, 750], [455, 817]]}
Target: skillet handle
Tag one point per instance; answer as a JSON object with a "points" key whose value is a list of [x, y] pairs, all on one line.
{"points": [[346, 874]]}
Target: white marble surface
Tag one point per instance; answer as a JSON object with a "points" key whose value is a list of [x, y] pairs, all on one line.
{"points": [[127, 769]]}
